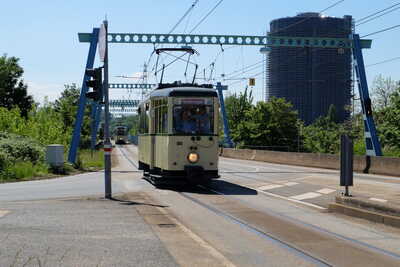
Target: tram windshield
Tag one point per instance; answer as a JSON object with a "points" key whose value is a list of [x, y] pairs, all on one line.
{"points": [[121, 130], [193, 116]]}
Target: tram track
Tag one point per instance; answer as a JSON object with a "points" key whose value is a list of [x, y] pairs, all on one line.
{"points": [[264, 233], [292, 249]]}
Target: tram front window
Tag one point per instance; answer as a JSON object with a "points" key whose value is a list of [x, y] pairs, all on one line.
{"points": [[120, 131], [193, 119]]}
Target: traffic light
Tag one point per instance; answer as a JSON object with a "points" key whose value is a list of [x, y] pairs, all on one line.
{"points": [[95, 82], [252, 81]]}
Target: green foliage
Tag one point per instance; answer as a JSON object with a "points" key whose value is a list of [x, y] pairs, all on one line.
{"points": [[236, 107], [272, 124], [13, 91], [19, 148], [90, 161], [323, 136], [389, 126], [67, 105], [26, 169]]}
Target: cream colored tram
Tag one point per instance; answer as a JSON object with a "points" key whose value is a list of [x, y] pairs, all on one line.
{"points": [[178, 135]]}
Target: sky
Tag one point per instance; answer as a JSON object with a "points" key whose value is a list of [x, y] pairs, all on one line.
{"points": [[43, 34]]}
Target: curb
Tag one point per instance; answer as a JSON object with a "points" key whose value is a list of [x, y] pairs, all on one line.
{"points": [[369, 215], [363, 203]]}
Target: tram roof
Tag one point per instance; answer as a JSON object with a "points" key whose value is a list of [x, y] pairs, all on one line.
{"points": [[183, 91]]}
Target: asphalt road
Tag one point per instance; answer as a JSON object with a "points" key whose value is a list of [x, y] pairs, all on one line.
{"points": [[257, 214]]}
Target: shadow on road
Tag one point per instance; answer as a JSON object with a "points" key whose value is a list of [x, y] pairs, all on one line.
{"points": [[216, 187], [260, 172]]}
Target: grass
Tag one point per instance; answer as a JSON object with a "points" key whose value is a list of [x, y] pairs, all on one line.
{"points": [[22, 171], [90, 161], [26, 170]]}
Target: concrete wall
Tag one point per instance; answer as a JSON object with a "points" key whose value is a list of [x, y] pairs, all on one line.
{"points": [[376, 165]]}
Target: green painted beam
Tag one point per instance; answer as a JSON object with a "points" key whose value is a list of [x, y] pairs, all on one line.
{"points": [[123, 103], [131, 86], [249, 40]]}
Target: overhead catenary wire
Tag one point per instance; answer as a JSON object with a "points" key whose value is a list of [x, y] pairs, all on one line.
{"points": [[380, 31], [382, 62], [289, 26], [376, 13], [376, 17], [307, 18], [175, 26], [206, 16], [184, 16]]}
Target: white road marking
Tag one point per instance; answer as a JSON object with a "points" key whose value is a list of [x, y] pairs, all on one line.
{"points": [[378, 199], [290, 199], [4, 212], [290, 183], [306, 196], [269, 187], [326, 191]]}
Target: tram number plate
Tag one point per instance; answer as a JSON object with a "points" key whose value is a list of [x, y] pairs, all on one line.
{"points": [[192, 101]]}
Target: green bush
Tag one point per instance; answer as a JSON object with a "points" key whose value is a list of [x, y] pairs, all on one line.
{"points": [[4, 161], [22, 149]]}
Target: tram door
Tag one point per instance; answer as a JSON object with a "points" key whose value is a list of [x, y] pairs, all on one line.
{"points": [[152, 138]]}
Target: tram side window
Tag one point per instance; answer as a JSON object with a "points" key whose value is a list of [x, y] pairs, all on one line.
{"points": [[161, 116], [143, 120]]}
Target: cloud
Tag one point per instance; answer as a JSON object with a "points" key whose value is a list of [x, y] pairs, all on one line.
{"points": [[41, 90]]}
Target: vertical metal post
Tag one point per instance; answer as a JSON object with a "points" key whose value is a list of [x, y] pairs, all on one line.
{"points": [[93, 123], [227, 135], [82, 99], [107, 142], [346, 163]]}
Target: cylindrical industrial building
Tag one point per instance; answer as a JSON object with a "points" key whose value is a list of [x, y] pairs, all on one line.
{"points": [[311, 78]]}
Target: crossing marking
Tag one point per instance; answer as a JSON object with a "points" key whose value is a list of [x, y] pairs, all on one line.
{"points": [[290, 183], [378, 199], [326, 191], [290, 199], [271, 186], [4, 212], [306, 196]]}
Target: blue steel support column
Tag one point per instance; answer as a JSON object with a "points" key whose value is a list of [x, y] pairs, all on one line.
{"points": [[93, 124], [372, 144], [82, 99], [227, 135]]}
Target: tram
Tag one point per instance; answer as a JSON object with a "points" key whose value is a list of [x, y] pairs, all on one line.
{"points": [[121, 135], [178, 134]]}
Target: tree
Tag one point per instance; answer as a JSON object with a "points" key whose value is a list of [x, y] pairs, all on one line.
{"points": [[389, 126], [236, 107], [13, 91], [67, 105], [382, 89], [323, 136], [273, 123]]}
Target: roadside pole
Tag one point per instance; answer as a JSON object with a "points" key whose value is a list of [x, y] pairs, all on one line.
{"points": [[107, 142], [346, 163]]}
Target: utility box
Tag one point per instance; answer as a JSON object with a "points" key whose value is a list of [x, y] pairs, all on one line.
{"points": [[55, 155]]}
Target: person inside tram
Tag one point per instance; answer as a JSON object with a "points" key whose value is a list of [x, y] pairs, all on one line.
{"points": [[188, 124], [202, 120]]}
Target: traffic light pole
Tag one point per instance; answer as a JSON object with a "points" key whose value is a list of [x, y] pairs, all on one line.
{"points": [[107, 141]]}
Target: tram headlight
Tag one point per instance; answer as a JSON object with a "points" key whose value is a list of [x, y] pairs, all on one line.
{"points": [[193, 157]]}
